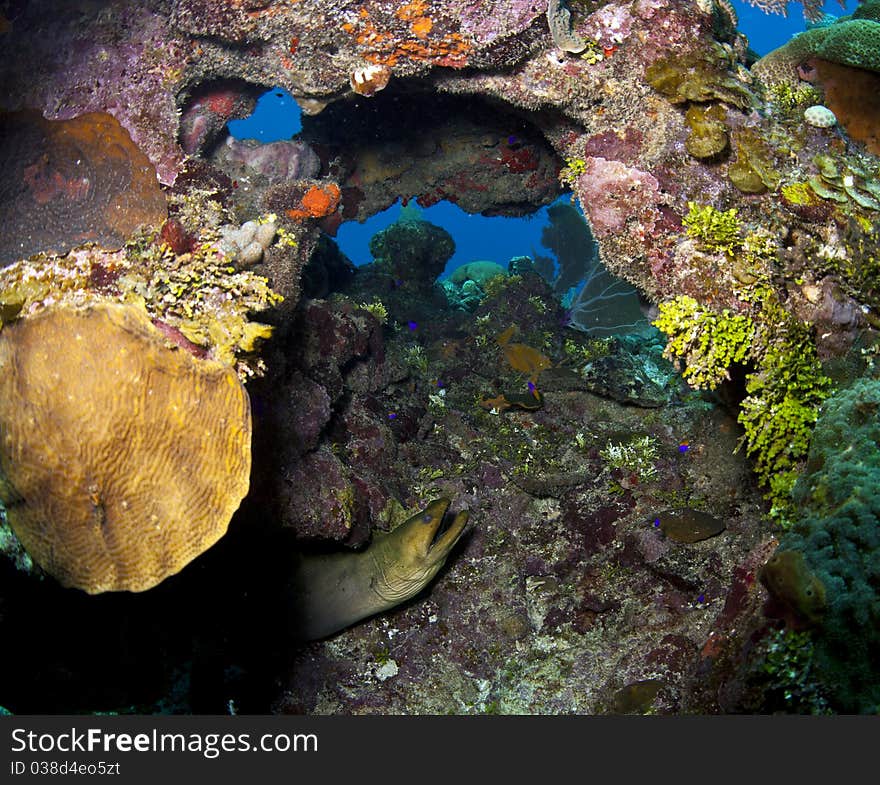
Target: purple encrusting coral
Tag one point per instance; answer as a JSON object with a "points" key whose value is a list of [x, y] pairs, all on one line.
{"points": [[490, 20]]}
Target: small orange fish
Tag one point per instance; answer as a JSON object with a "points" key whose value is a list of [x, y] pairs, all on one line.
{"points": [[523, 357], [501, 403]]}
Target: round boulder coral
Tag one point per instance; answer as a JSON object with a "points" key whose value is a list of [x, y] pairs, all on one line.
{"points": [[819, 116], [414, 249], [121, 459]]}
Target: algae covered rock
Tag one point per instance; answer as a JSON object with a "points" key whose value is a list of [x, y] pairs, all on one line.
{"points": [[121, 459], [700, 76], [708, 132], [413, 249]]}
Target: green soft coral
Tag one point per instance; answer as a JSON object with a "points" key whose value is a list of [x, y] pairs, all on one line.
{"points": [[782, 405], [785, 384], [715, 230], [709, 343], [784, 391]]}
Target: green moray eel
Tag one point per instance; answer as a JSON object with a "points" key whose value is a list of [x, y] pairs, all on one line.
{"points": [[333, 591]]}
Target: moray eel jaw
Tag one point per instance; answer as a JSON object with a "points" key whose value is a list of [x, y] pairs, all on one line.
{"points": [[408, 558]]}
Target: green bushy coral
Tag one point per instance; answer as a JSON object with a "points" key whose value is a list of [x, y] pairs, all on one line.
{"points": [[785, 385], [377, 308], [791, 100], [715, 230], [574, 168], [784, 395], [784, 391], [709, 343]]}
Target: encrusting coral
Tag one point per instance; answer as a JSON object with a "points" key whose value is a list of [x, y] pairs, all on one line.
{"points": [[121, 459], [838, 540], [197, 298], [70, 181]]}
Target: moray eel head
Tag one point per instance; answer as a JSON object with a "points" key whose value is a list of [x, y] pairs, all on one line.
{"points": [[333, 591], [407, 558]]}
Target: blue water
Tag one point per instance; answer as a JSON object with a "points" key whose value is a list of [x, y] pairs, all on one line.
{"points": [[767, 32], [276, 117], [498, 239]]}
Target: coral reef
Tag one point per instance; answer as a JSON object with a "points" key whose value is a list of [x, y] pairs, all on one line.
{"points": [[852, 96], [432, 148], [480, 272], [409, 256], [851, 40], [70, 60], [133, 466], [703, 187], [199, 301], [841, 59], [275, 161]]}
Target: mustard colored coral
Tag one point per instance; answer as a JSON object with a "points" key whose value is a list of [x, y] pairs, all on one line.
{"points": [[121, 459]]}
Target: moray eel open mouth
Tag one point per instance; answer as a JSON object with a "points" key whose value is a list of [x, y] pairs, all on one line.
{"points": [[449, 521], [441, 531]]}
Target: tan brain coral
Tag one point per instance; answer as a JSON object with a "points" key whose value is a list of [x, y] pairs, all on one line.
{"points": [[121, 459]]}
